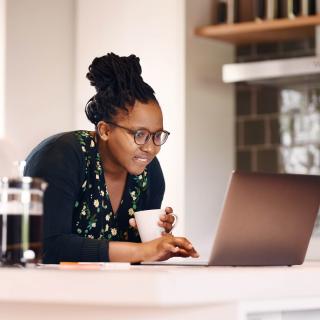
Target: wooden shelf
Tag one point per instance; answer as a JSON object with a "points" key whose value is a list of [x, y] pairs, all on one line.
{"points": [[262, 31]]}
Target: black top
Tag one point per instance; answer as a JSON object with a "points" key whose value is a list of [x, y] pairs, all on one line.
{"points": [[78, 216]]}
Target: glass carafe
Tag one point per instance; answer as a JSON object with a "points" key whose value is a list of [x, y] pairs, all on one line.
{"points": [[21, 212]]}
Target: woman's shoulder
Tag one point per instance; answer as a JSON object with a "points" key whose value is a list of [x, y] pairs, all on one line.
{"points": [[58, 159], [63, 141], [61, 146]]}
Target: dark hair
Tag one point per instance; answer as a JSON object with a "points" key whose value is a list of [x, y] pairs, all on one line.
{"points": [[118, 84]]}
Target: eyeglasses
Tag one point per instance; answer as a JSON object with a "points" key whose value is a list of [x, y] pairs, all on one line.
{"points": [[142, 136]]}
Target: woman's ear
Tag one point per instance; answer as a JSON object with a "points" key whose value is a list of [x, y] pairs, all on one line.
{"points": [[103, 129]]}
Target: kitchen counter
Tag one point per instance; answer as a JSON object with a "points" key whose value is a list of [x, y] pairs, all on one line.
{"points": [[162, 292]]}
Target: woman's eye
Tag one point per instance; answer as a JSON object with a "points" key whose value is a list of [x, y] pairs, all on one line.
{"points": [[158, 134], [140, 134]]}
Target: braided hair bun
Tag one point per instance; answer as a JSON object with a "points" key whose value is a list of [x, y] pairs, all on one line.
{"points": [[118, 83]]}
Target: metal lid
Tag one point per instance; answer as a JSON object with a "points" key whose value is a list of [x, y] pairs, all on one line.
{"points": [[25, 183]]}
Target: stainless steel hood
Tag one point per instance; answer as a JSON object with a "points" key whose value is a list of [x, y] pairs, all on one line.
{"points": [[272, 71]]}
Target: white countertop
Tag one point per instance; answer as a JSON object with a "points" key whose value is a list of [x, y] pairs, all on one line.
{"points": [[160, 285]]}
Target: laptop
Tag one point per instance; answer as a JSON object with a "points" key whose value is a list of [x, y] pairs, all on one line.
{"points": [[266, 220]]}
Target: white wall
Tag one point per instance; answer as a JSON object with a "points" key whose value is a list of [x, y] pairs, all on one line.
{"points": [[50, 45], [2, 62], [39, 71], [210, 127], [154, 31]]}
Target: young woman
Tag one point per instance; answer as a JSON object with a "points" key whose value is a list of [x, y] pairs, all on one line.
{"points": [[98, 179]]}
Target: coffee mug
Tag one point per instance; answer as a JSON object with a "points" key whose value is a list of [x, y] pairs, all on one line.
{"points": [[147, 223]]}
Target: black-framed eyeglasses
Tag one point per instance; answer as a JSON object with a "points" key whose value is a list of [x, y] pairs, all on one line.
{"points": [[142, 136]]}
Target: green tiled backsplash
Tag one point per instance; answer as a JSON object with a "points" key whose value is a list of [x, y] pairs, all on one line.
{"points": [[282, 138]]}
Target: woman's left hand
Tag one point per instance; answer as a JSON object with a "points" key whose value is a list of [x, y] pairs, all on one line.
{"points": [[167, 220]]}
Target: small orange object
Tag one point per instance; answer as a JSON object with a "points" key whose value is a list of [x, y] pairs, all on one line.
{"points": [[93, 265]]}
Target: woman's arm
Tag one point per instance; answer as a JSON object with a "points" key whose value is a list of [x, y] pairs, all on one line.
{"points": [[159, 249], [58, 161]]}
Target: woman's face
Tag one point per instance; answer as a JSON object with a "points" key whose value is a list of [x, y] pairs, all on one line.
{"points": [[122, 151]]}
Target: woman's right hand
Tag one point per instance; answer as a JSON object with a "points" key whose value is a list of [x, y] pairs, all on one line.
{"points": [[166, 247]]}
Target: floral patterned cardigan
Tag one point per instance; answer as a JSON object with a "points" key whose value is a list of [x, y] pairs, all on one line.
{"points": [[78, 217]]}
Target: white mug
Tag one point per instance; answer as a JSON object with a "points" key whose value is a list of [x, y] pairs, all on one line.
{"points": [[147, 223]]}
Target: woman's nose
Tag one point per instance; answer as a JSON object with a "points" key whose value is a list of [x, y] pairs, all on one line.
{"points": [[150, 147]]}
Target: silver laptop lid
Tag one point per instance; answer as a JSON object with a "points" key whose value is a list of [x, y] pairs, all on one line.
{"points": [[267, 219]]}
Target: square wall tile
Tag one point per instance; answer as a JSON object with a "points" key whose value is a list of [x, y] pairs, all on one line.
{"points": [[267, 160], [254, 132], [244, 161], [267, 100]]}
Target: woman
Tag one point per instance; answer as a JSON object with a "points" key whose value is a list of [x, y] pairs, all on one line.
{"points": [[98, 179]]}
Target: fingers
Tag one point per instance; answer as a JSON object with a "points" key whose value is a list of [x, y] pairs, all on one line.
{"points": [[167, 220], [182, 253], [168, 210], [166, 225], [171, 248], [186, 246], [180, 246], [176, 251], [132, 223], [168, 246]]}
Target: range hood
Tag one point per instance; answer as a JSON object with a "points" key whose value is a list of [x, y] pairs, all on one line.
{"points": [[273, 71]]}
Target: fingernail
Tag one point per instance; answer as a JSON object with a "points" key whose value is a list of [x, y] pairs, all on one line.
{"points": [[190, 246]]}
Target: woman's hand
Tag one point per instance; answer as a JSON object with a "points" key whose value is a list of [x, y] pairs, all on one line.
{"points": [[166, 221], [167, 247], [159, 249]]}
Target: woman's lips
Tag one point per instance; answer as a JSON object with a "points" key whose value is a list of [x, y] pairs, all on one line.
{"points": [[142, 159]]}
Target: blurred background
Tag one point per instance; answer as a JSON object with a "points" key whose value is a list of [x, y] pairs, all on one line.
{"points": [[216, 124]]}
